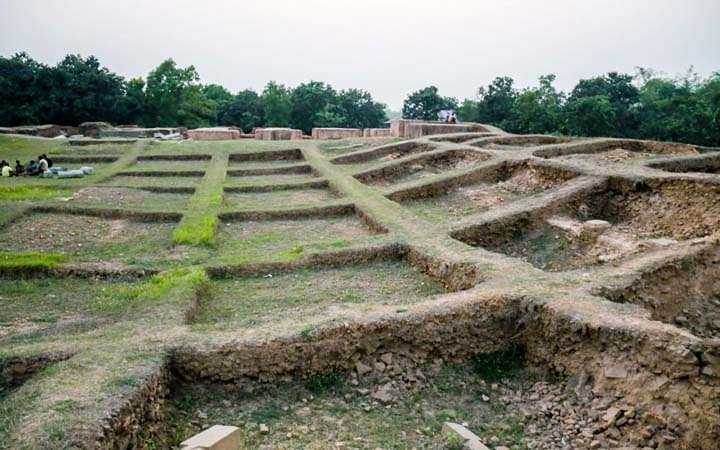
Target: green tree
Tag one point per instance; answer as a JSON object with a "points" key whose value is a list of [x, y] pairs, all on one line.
{"points": [[330, 117], [219, 98], [684, 110], [469, 111], [175, 97], [590, 116], [496, 103], [537, 110], [244, 111], [358, 110], [81, 90], [426, 103], [20, 92], [309, 99], [131, 108], [622, 95], [277, 105]]}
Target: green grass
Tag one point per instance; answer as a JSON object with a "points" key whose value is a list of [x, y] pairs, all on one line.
{"points": [[22, 192], [305, 298], [26, 261], [123, 298], [196, 230], [199, 224]]}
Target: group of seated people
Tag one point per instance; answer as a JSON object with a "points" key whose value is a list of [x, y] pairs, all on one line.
{"points": [[43, 165]]}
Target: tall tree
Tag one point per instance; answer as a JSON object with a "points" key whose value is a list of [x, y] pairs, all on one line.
{"points": [[20, 92], [277, 105], [131, 108], [426, 103], [244, 111], [219, 98], [618, 89], [359, 110], [590, 116], [497, 102], [538, 109], [81, 90], [174, 96], [309, 99]]}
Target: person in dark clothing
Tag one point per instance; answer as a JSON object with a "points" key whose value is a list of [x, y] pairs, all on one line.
{"points": [[49, 161], [32, 168], [19, 168]]}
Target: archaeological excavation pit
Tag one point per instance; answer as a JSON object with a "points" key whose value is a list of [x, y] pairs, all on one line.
{"points": [[289, 239], [609, 151], [132, 198], [708, 164], [125, 240], [171, 163], [494, 187], [515, 142], [279, 199], [682, 291], [630, 218], [492, 395], [347, 297], [423, 167]]}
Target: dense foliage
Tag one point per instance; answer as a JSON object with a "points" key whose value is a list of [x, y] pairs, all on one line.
{"points": [[645, 106], [78, 90]]}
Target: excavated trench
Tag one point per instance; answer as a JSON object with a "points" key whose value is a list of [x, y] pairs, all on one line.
{"points": [[423, 167], [631, 217]]}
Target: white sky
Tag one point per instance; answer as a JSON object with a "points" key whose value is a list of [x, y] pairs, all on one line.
{"points": [[389, 48]]}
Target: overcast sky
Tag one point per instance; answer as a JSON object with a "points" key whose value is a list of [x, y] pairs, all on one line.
{"points": [[389, 48]]}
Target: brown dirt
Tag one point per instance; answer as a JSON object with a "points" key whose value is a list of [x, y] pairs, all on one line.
{"points": [[67, 233]]}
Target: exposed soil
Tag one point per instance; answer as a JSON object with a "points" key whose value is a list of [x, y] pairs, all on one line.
{"points": [[467, 200], [76, 234], [131, 198], [312, 296], [287, 239], [417, 170], [678, 210], [278, 199], [393, 404]]}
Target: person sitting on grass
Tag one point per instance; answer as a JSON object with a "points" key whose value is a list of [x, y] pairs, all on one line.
{"points": [[47, 158], [43, 166], [19, 168], [32, 168], [5, 169]]}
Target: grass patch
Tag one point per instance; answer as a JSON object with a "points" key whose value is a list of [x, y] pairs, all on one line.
{"points": [[17, 193], [123, 298], [27, 261], [196, 230]]}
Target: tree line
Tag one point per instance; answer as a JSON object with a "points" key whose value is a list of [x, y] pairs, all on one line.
{"points": [[644, 106], [79, 90]]}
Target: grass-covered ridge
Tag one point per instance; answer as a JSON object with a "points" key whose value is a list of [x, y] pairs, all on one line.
{"points": [[29, 261], [21, 192], [200, 221]]}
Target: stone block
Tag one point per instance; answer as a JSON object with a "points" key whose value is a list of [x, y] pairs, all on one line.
{"points": [[336, 133], [213, 134], [377, 132], [277, 134], [470, 439], [217, 437]]}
